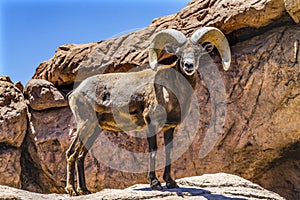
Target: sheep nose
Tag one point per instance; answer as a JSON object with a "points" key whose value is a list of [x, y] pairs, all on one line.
{"points": [[188, 65]]}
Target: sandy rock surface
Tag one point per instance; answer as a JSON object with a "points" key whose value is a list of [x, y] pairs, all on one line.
{"points": [[213, 186]]}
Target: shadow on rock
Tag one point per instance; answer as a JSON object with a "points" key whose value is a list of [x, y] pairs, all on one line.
{"points": [[190, 191]]}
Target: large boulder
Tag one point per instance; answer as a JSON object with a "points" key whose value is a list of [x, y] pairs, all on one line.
{"points": [[13, 114], [13, 126], [42, 95]]}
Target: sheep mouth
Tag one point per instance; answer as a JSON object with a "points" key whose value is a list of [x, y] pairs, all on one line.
{"points": [[189, 71]]}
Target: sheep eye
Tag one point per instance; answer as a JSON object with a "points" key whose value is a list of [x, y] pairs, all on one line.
{"points": [[171, 48], [208, 47]]}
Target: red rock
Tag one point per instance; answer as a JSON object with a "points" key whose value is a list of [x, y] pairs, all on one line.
{"points": [[260, 140]]}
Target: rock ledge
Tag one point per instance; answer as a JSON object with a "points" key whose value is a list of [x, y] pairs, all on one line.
{"points": [[219, 186]]}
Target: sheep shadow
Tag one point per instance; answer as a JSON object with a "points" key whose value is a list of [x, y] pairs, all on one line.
{"points": [[182, 191]]}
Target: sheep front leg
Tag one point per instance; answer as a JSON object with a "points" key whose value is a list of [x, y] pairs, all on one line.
{"points": [[151, 138], [168, 139]]}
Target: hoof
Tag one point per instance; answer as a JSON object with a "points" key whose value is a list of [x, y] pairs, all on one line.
{"points": [[155, 185], [71, 191], [81, 191], [171, 185]]}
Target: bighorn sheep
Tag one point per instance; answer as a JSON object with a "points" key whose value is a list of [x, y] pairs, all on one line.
{"points": [[159, 98]]}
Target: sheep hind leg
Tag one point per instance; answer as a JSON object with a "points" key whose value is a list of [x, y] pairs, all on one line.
{"points": [[81, 183], [81, 187], [86, 120], [168, 139], [76, 155], [71, 154]]}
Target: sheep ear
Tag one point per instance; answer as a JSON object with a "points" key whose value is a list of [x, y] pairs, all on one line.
{"points": [[152, 59], [153, 65]]}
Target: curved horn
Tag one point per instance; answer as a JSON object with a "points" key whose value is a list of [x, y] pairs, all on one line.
{"points": [[159, 41], [218, 39]]}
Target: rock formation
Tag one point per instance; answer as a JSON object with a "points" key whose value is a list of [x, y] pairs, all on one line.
{"points": [[261, 136], [213, 186], [13, 125], [43, 95]]}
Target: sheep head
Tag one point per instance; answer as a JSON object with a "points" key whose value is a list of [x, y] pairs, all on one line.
{"points": [[189, 50]]}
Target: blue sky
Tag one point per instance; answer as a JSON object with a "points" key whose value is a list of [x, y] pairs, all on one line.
{"points": [[31, 30]]}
